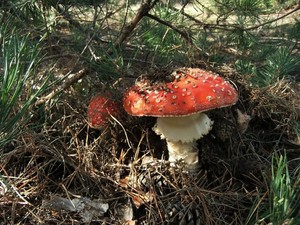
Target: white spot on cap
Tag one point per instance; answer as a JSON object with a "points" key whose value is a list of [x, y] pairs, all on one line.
{"points": [[209, 98]]}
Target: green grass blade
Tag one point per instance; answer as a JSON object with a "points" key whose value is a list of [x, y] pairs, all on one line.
{"points": [[19, 61]]}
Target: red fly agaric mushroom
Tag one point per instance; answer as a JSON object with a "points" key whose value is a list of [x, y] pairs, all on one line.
{"points": [[179, 106], [100, 109]]}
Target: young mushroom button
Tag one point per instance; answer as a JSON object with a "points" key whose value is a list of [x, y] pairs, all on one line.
{"points": [[179, 107], [100, 109]]}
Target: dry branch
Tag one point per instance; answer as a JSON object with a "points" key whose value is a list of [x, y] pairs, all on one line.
{"points": [[143, 11], [184, 34], [66, 15], [231, 27], [67, 82]]}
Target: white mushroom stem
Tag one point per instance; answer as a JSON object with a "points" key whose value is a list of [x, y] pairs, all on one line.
{"points": [[187, 152], [181, 134]]}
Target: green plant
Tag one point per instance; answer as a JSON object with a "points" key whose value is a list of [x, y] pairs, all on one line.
{"points": [[280, 64], [25, 13], [284, 194], [165, 44], [19, 83]]}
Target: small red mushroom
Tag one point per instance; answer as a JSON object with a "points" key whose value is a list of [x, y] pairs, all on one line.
{"points": [[100, 109], [179, 105]]}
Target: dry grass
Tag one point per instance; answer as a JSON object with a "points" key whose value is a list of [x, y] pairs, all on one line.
{"points": [[279, 102]]}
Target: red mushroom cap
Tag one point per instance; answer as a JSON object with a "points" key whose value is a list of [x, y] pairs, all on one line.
{"points": [[193, 90], [99, 110]]}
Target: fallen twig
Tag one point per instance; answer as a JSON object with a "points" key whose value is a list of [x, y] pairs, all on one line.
{"points": [[68, 81]]}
